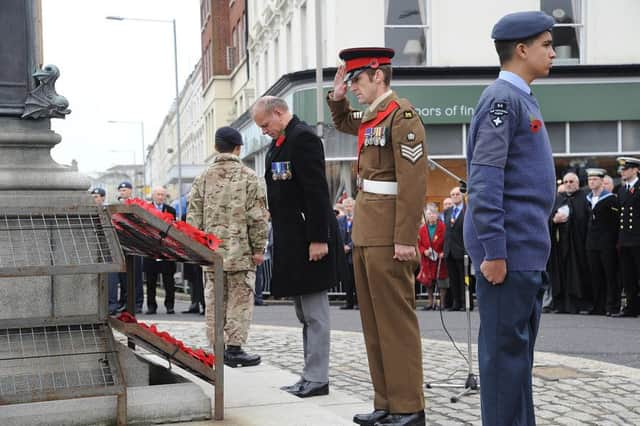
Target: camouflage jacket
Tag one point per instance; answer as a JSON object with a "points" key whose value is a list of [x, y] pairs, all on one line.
{"points": [[229, 201]]}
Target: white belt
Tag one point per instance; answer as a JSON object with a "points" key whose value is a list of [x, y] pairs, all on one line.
{"points": [[380, 187]]}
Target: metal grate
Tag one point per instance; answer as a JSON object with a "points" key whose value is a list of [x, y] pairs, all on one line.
{"points": [[56, 243], [55, 358]]}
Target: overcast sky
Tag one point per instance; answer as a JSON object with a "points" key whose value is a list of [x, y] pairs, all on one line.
{"points": [[116, 70]]}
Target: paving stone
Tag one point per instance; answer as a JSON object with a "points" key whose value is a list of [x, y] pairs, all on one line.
{"points": [[568, 401]]}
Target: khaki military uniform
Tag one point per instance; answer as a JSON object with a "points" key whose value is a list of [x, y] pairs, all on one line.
{"points": [[392, 149], [228, 201]]}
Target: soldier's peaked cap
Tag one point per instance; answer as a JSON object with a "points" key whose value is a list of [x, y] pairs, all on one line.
{"points": [[521, 25], [125, 184], [628, 162], [358, 59], [596, 172]]}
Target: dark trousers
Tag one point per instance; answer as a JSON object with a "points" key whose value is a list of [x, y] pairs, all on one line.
{"points": [[122, 276], [169, 288], [604, 280], [193, 274], [112, 286], [630, 266], [349, 287], [263, 277], [455, 267], [509, 321]]}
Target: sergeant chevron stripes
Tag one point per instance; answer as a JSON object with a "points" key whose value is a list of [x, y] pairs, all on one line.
{"points": [[411, 153]]}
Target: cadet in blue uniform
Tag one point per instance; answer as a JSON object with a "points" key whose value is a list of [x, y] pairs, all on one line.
{"points": [[629, 237], [511, 182]]}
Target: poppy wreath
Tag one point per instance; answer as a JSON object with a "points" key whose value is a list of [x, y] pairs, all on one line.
{"points": [[206, 239], [201, 355]]}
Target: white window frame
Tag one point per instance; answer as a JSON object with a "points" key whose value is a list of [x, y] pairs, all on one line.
{"points": [[580, 31], [426, 27]]}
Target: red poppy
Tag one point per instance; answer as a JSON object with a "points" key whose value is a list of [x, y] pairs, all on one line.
{"points": [[535, 125]]}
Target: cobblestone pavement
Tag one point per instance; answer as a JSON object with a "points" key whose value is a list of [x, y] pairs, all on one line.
{"points": [[567, 390]]}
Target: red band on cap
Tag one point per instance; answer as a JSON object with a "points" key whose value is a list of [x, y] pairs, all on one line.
{"points": [[372, 62]]}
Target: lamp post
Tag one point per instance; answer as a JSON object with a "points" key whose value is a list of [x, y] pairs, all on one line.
{"points": [[141, 124], [177, 89]]}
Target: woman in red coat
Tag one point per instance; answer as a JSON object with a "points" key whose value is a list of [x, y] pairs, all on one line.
{"points": [[432, 266]]}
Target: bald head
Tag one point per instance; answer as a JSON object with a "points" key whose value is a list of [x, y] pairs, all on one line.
{"points": [[271, 115]]}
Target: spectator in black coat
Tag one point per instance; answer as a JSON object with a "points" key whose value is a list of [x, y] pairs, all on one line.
{"points": [[154, 267]]}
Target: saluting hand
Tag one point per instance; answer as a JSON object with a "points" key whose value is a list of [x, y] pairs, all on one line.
{"points": [[317, 251], [494, 271], [403, 252], [339, 86]]}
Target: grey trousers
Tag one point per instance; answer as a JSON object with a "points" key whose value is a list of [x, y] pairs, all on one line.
{"points": [[313, 312]]}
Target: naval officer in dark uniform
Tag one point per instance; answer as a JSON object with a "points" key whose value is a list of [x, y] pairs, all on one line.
{"points": [[392, 170], [602, 237], [629, 236], [505, 229]]}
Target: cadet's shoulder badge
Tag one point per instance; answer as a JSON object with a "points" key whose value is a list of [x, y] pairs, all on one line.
{"points": [[357, 115], [407, 114], [498, 113], [411, 153]]}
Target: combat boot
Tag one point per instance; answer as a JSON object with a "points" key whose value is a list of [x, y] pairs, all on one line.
{"points": [[234, 357]]}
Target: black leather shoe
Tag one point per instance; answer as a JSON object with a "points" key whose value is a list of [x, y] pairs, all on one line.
{"points": [[414, 419], [293, 387], [369, 419], [170, 311], [624, 314], [346, 307], [151, 311], [194, 308], [236, 357], [308, 389]]}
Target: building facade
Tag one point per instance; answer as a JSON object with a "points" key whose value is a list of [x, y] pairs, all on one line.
{"points": [[444, 59], [161, 163]]}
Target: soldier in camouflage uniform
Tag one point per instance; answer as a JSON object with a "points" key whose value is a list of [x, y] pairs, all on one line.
{"points": [[228, 201]]}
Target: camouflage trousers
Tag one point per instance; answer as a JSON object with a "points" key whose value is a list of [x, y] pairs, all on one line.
{"points": [[237, 306]]}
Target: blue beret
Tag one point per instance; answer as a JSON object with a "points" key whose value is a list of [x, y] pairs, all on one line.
{"points": [[521, 25], [125, 184], [99, 191], [229, 135]]}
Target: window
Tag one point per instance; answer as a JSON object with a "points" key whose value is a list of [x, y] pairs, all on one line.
{"points": [[594, 136], [444, 139], [568, 29], [405, 31], [242, 41], [557, 136], [631, 135]]}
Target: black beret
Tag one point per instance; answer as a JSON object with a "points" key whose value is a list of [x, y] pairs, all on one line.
{"points": [[125, 184], [99, 191], [229, 135], [521, 25]]}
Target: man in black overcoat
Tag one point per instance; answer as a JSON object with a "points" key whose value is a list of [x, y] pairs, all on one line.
{"points": [[569, 268], [304, 233], [453, 249], [153, 267]]}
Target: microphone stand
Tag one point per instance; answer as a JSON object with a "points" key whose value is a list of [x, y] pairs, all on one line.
{"points": [[471, 383]]}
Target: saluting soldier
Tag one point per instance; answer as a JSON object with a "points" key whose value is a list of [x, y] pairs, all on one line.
{"points": [[392, 172], [629, 237], [602, 237]]}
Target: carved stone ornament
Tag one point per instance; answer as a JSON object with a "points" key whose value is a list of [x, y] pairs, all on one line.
{"points": [[43, 101]]}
